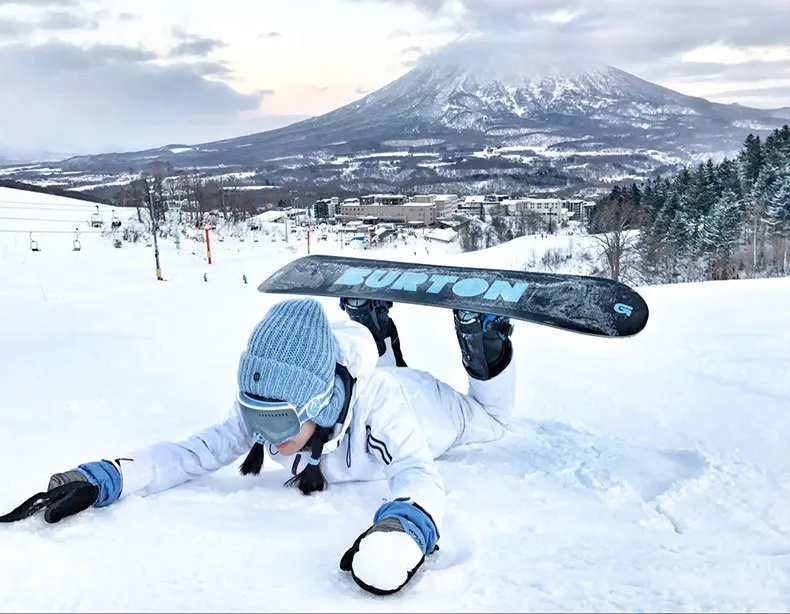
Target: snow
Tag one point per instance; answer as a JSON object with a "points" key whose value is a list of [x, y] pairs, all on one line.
{"points": [[37, 212], [385, 558], [641, 474], [396, 154], [441, 234]]}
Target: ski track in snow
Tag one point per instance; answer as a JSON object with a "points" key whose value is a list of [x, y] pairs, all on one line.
{"points": [[644, 474]]}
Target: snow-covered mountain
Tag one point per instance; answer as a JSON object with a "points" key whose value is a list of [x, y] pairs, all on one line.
{"points": [[479, 123], [444, 103]]}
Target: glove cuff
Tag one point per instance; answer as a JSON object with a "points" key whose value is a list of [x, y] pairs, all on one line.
{"points": [[105, 476], [415, 521]]}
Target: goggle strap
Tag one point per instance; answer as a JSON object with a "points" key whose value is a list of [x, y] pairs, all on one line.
{"points": [[313, 406]]}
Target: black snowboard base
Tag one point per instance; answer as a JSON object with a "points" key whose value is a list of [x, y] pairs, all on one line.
{"points": [[577, 303]]}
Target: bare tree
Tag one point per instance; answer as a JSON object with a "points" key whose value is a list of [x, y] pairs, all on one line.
{"points": [[614, 227]]}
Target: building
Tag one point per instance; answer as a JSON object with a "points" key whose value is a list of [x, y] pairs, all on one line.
{"points": [[405, 213], [325, 208], [446, 204], [580, 209], [549, 209], [471, 204], [383, 199], [441, 235]]}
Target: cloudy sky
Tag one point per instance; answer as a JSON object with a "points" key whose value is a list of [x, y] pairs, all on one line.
{"points": [[88, 76]]}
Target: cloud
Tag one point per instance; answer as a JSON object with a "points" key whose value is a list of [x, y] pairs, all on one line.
{"points": [[47, 3], [196, 47], [110, 95], [11, 28], [53, 20], [432, 6], [753, 70], [64, 20], [395, 34], [621, 31], [128, 17], [361, 91], [208, 68], [270, 35], [193, 45]]}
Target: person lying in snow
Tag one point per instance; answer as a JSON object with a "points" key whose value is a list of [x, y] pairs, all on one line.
{"points": [[331, 402]]}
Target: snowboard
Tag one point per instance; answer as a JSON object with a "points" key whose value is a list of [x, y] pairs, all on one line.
{"points": [[577, 303]]}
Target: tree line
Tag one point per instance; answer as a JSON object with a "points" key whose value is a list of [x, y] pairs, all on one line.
{"points": [[725, 220], [160, 189]]}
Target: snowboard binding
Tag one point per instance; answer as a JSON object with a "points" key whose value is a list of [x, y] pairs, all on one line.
{"points": [[486, 348], [374, 315]]}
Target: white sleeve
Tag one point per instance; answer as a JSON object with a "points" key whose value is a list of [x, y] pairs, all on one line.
{"points": [[396, 438], [167, 464]]}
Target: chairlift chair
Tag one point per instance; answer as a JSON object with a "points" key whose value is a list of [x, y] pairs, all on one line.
{"points": [[77, 244], [34, 244], [115, 221], [96, 219]]}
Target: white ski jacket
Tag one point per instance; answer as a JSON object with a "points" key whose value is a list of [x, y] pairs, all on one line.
{"points": [[399, 421]]}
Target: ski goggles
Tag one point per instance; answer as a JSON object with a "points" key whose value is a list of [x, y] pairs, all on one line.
{"points": [[274, 422]]}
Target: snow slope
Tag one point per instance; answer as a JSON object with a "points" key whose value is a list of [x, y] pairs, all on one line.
{"points": [[643, 474]]}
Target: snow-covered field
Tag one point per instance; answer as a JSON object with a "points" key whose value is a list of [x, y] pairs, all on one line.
{"points": [[642, 474]]}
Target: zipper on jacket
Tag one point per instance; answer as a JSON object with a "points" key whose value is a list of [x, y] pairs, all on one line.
{"points": [[348, 449]]}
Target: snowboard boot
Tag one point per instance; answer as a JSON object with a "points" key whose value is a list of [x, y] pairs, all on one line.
{"points": [[374, 315], [486, 348]]}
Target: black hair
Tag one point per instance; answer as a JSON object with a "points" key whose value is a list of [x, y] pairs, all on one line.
{"points": [[311, 479], [254, 461]]}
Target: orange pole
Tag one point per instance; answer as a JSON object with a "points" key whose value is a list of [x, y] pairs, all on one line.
{"points": [[208, 246], [308, 241]]}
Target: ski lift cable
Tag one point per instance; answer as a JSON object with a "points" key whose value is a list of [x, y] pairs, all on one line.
{"points": [[57, 232], [68, 202], [41, 207], [39, 219], [73, 202]]}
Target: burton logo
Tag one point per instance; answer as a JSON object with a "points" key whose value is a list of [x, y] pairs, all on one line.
{"points": [[432, 284], [624, 309]]}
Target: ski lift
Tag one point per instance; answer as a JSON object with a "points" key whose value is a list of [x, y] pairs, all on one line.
{"points": [[115, 222], [117, 242], [34, 244], [255, 238], [220, 238], [96, 219], [77, 245]]}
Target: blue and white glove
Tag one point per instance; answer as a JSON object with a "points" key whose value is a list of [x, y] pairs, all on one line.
{"points": [[386, 556], [71, 492]]}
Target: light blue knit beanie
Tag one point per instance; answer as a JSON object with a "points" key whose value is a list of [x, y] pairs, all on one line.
{"points": [[290, 356]]}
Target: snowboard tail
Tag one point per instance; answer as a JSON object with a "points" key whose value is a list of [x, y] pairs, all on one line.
{"points": [[577, 303]]}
